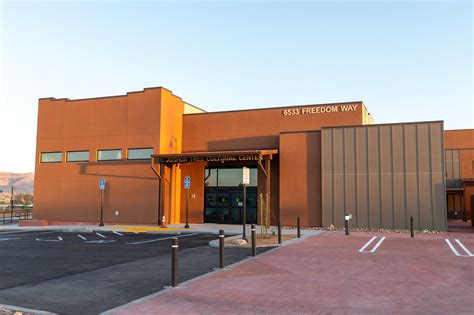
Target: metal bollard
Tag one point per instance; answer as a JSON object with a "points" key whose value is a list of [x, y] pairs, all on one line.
{"points": [[411, 227], [254, 241], [298, 228], [174, 263], [279, 232], [346, 223], [221, 249]]}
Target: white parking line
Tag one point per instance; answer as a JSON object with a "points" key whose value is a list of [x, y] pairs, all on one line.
{"points": [[160, 239], [9, 238], [82, 237], [100, 235], [367, 244], [362, 250], [26, 233], [377, 245], [452, 247], [115, 232], [48, 240], [464, 248], [455, 251]]}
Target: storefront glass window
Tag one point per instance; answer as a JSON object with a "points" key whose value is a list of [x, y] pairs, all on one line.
{"points": [[140, 154], [109, 155], [77, 156], [211, 177], [228, 177], [51, 157]]}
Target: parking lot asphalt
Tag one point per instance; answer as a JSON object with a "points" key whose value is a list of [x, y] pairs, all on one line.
{"points": [[78, 273], [364, 273]]}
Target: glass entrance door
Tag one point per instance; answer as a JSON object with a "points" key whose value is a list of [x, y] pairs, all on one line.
{"points": [[223, 196], [225, 205]]}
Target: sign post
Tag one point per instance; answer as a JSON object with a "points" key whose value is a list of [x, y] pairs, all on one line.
{"points": [[102, 188], [12, 203], [187, 186], [245, 182], [347, 217]]}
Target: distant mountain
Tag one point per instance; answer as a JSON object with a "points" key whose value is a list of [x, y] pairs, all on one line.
{"points": [[22, 182]]}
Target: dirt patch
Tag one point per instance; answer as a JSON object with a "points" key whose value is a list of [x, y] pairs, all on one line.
{"points": [[4, 311], [269, 240]]}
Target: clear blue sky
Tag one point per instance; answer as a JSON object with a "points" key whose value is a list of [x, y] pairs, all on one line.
{"points": [[407, 61]]}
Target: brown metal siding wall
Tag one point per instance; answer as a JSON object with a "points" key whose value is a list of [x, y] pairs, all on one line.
{"points": [[383, 174]]}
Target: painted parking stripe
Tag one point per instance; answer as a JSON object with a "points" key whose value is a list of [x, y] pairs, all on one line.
{"points": [[377, 245], [160, 239], [452, 247], [81, 237], [464, 248], [466, 253], [9, 238], [115, 232], [103, 236], [50, 240], [26, 233], [367, 244]]}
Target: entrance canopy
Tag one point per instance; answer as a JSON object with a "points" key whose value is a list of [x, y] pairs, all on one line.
{"points": [[215, 156]]}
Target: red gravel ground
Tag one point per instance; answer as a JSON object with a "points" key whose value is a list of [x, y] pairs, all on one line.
{"points": [[327, 274]]}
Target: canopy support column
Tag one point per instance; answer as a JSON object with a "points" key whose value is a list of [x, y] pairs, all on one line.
{"points": [[267, 185]]}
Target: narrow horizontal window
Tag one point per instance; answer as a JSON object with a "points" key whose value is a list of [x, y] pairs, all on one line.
{"points": [[109, 155], [77, 156], [51, 157], [140, 154]]}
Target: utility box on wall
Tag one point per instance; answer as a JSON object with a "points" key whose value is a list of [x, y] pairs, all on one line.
{"points": [[383, 175]]}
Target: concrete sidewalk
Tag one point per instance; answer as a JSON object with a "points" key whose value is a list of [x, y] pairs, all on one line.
{"points": [[328, 274]]}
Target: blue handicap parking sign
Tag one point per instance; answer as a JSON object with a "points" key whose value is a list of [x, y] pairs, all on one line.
{"points": [[102, 183], [187, 182]]}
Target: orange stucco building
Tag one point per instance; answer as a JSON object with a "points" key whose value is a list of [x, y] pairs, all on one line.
{"points": [[145, 143], [459, 145]]}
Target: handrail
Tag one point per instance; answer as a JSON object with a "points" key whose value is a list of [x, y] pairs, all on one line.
{"points": [[19, 214]]}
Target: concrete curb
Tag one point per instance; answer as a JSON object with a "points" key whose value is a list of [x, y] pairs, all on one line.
{"points": [[86, 229]]}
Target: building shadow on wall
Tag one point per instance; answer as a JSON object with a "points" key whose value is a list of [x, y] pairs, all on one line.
{"points": [[119, 169], [245, 143]]}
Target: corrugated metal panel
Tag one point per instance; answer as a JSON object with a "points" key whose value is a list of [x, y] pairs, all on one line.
{"points": [[349, 169], [383, 174], [327, 181], [338, 171], [373, 166], [399, 178], [424, 178], [362, 205], [386, 177], [438, 184], [411, 173]]}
